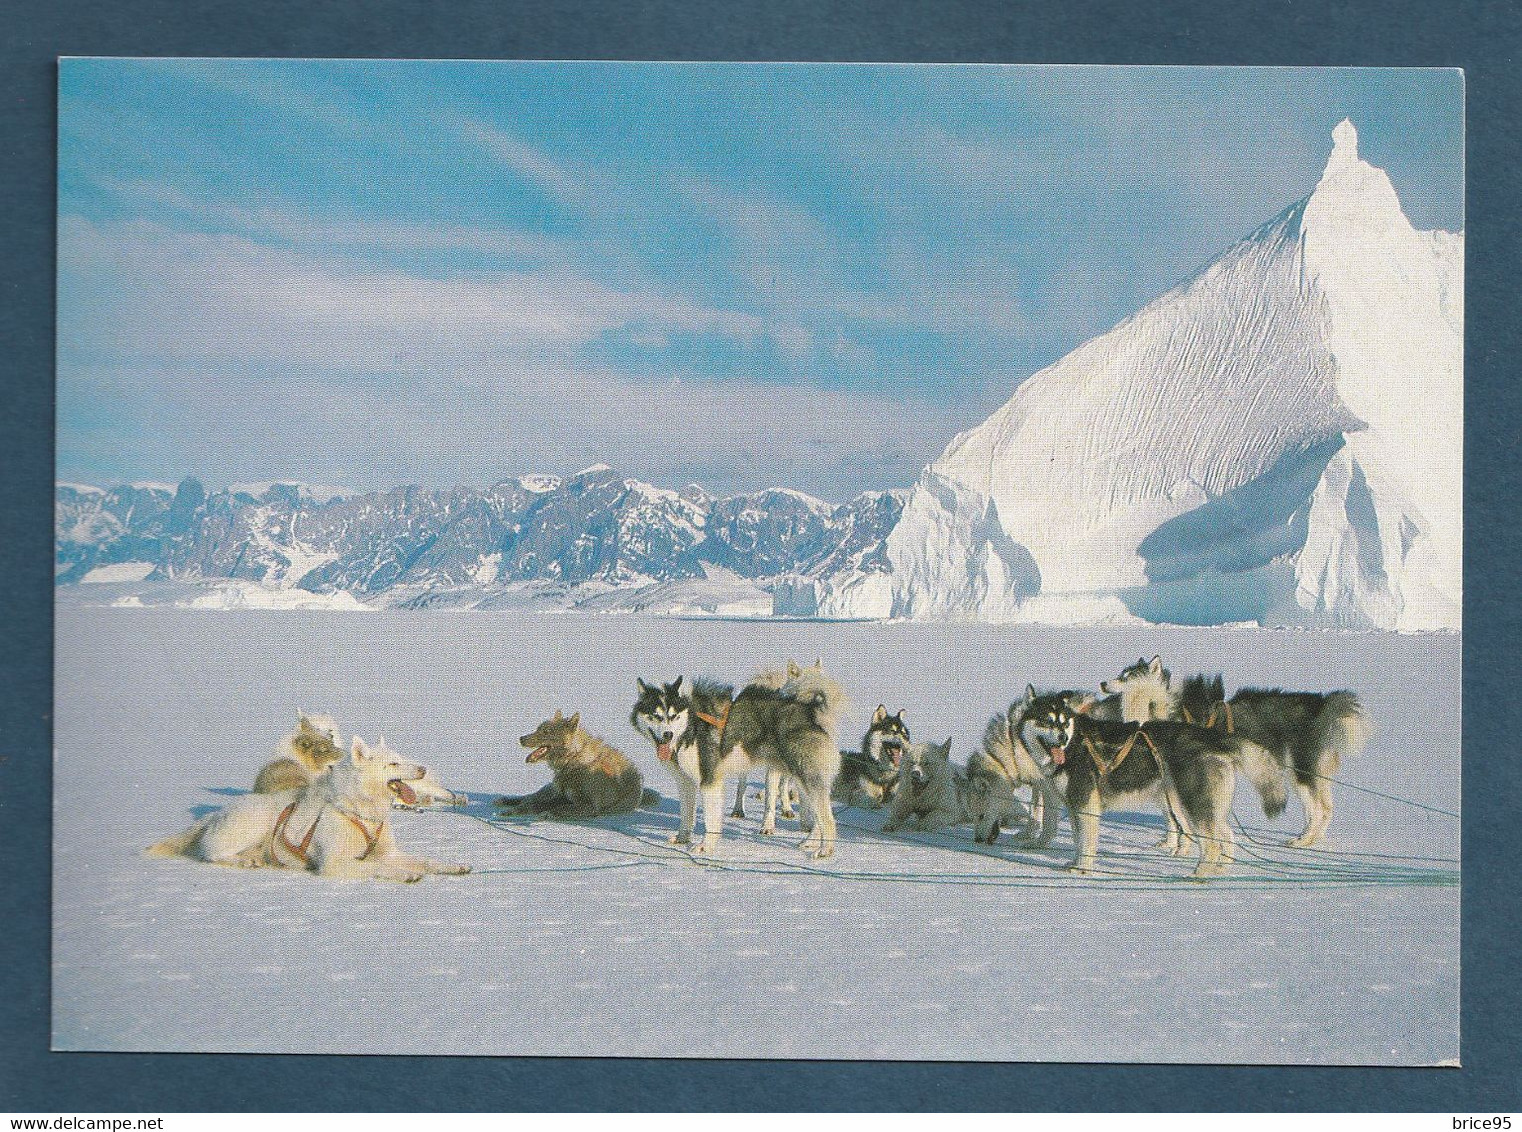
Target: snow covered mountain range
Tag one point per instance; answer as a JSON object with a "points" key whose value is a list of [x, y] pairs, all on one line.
{"points": [[1278, 440], [595, 537]]}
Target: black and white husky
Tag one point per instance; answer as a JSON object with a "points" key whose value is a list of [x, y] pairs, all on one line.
{"points": [[868, 777], [1308, 733], [1101, 765], [785, 721], [684, 720]]}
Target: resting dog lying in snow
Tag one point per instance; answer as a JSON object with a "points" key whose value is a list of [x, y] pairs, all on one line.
{"points": [[591, 778], [930, 790], [314, 746], [336, 826]]}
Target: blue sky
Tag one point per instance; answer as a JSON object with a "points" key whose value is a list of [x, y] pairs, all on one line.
{"points": [[365, 274]]}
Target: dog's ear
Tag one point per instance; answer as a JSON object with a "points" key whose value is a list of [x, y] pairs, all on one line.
{"points": [[358, 750], [644, 689], [793, 670], [684, 688], [819, 663], [946, 748], [899, 714], [880, 714], [575, 721], [1156, 666], [1030, 691], [558, 716]]}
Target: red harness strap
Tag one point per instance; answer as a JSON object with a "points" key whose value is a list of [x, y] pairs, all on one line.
{"points": [[300, 852]]}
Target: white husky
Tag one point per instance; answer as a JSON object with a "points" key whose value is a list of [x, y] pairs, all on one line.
{"points": [[338, 826]]}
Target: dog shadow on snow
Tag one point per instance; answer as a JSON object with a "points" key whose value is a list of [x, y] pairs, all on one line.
{"points": [[859, 828]]}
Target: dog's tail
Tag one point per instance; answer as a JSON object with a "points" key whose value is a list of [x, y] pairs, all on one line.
{"points": [[180, 843], [819, 692], [1343, 729], [1264, 772], [648, 799]]}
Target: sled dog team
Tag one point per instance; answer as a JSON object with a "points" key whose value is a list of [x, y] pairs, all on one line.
{"points": [[1141, 739]]}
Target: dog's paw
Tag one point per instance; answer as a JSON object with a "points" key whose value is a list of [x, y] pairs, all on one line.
{"points": [[768, 830], [737, 813], [1301, 842], [1079, 870]]}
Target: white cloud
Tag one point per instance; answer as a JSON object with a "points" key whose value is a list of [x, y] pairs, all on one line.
{"points": [[140, 291], [437, 428]]}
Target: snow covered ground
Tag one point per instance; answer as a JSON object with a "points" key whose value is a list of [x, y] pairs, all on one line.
{"points": [[598, 939]]}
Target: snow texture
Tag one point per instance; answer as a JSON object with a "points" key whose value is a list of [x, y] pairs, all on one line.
{"points": [[1277, 440], [597, 939]]}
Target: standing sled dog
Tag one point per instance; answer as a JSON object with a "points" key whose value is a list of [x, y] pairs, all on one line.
{"points": [[1308, 733], [336, 826], [1102, 765], [784, 721], [683, 719]]}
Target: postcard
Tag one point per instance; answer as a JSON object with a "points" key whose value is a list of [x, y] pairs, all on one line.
{"points": [[759, 561]]}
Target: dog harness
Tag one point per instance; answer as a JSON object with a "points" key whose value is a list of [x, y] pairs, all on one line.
{"points": [[1217, 710], [300, 852], [1107, 768], [717, 722]]}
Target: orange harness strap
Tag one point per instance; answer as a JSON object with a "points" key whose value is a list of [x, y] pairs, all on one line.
{"points": [[1107, 768], [717, 722], [300, 852]]}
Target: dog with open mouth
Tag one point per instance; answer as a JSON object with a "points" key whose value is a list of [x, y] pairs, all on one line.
{"points": [[869, 777], [592, 778], [337, 826]]}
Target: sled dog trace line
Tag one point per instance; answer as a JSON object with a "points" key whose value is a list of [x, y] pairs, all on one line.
{"points": [[1271, 871]]}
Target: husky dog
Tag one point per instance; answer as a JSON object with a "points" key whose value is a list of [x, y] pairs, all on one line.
{"points": [[786, 722], [684, 720], [304, 753], [1308, 733], [869, 777], [335, 826], [997, 769], [931, 792], [1102, 765], [591, 778]]}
